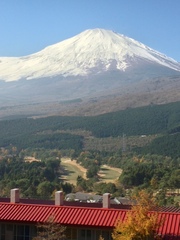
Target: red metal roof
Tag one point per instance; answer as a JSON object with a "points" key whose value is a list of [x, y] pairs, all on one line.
{"points": [[63, 214], [79, 216]]}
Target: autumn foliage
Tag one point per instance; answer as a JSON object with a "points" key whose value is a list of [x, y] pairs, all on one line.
{"points": [[141, 223]]}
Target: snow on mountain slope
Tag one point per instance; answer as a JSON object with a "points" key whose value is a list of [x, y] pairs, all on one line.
{"points": [[92, 51]]}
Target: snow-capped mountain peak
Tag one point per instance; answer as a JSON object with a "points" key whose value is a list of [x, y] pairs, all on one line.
{"points": [[90, 52]]}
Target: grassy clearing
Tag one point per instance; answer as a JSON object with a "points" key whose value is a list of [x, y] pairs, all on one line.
{"points": [[109, 174], [72, 170]]}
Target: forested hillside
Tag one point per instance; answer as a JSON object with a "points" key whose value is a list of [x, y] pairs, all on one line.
{"points": [[65, 132]]}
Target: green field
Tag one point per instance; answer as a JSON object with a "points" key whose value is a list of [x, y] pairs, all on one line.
{"points": [[109, 174], [72, 170]]}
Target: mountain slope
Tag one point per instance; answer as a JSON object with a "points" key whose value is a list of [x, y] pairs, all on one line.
{"points": [[90, 52], [97, 71]]}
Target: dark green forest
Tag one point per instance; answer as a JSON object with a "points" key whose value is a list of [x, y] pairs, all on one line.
{"points": [[57, 131], [38, 179]]}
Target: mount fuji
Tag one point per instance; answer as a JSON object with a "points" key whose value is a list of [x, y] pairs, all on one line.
{"points": [[94, 64]]}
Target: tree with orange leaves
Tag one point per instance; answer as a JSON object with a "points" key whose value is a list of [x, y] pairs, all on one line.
{"points": [[141, 222]]}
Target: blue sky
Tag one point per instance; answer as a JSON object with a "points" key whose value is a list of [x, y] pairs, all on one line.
{"points": [[27, 26]]}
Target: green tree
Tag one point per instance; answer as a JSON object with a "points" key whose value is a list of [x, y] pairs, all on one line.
{"points": [[45, 189], [92, 171]]}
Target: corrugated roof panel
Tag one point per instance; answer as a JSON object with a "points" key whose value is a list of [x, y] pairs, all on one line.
{"points": [[171, 224], [84, 219], [177, 225], [105, 217], [72, 216], [161, 219], [112, 218], [87, 217], [60, 216], [120, 215], [172, 229], [98, 218], [95, 219], [40, 214], [6, 210], [17, 213], [29, 212], [102, 218]]}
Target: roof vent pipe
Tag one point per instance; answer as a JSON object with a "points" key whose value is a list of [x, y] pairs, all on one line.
{"points": [[59, 198], [14, 195], [106, 200]]}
